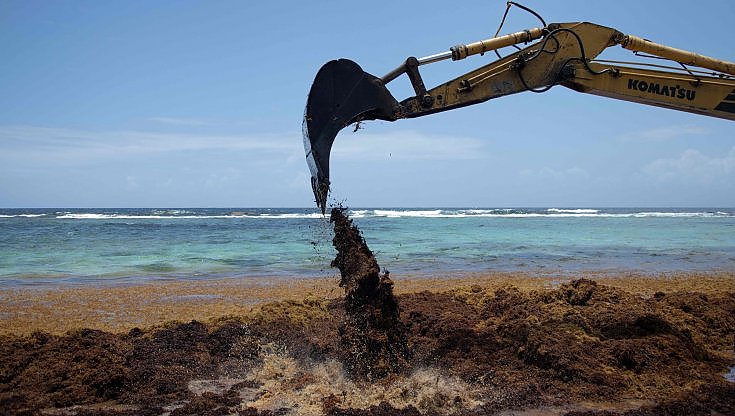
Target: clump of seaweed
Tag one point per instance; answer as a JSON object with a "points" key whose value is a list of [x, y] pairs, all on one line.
{"points": [[373, 342], [584, 347]]}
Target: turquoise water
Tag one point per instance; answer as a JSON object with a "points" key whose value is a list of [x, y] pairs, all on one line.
{"points": [[81, 246]]}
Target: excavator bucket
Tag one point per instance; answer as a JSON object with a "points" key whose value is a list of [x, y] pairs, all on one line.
{"points": [[342, 94]]}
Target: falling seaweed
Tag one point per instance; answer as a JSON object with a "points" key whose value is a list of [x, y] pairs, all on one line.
{"points": [[373, 341]]}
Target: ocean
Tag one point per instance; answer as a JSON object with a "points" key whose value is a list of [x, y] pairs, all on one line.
{"points": [[47, 247]]}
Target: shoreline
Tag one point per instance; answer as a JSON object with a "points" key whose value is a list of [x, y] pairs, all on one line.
{"points": [[582, 345], [121, 307]]}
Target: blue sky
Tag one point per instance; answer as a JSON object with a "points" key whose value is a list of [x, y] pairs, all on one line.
{"points": [[199, 103]]}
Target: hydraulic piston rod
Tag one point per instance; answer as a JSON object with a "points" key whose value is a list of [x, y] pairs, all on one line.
{"points": [[636, 44], [487, 45], [462, 51]]}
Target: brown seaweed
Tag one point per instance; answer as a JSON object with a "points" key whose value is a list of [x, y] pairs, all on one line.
{"points": [[372, 336]]}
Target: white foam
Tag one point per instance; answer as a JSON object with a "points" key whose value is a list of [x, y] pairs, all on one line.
{"points": [[277, 370], [359, 213], [573, 211], [673, 214], [286, 216], [392, 213], [22, 215], [513, 213], [486, 211], [94, 216], [407, 213], [730, 375], [83, 216]]}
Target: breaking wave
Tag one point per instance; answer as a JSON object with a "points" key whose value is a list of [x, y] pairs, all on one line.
{"points": [[291, 214], [533, 213]]}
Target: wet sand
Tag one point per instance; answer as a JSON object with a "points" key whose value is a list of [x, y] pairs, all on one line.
{"points": [[598, 343], [119, 308]]}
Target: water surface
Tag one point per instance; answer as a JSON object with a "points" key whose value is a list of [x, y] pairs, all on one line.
{"points": [[60, 246]]}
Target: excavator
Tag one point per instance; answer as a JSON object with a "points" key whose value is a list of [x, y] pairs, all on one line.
{"points": [[554, 54]]}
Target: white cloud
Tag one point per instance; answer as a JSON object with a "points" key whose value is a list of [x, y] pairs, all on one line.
{"points": [[221, 179], [405, 145], [692, 165], [665, 133], [301, 180], [131, 183], [60, 145], [181, 121], [546, 173], [73, 145]]}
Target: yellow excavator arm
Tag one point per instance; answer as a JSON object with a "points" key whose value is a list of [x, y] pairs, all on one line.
{"points": [[561, 54], [566, 56]]}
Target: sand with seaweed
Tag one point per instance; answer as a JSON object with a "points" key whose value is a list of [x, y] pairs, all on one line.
{"points": [[476, 349], [588, 344]]}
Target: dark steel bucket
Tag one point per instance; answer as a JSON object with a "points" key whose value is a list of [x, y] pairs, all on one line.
{"points": [[342, 94]]}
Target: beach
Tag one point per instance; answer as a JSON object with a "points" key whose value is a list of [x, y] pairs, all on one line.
{"points": [[416, 312], [165, 250], [594, 343], [119, 308]]}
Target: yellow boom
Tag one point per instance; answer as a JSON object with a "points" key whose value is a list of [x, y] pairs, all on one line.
{"points": [[565, 57], [563, 54]]}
